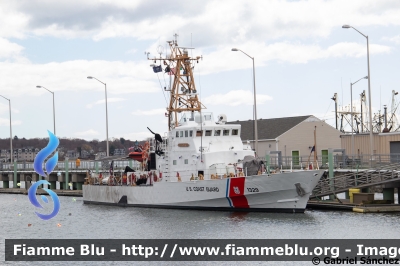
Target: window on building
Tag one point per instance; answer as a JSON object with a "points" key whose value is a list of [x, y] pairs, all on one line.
{"points": [[217, 132], [226, 132], [186, 161], [324, 156], [235, 132], [208, 133]]}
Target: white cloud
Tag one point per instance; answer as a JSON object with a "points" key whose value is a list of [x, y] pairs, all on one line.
{"points": [[5, 109], [353, 50], [121, 77], [235, 98], [88, 133], [9, 49], [159, 111], [6, 122], [294, 53], [109, 100], [264, 20], [394, 39], [14, 21]]}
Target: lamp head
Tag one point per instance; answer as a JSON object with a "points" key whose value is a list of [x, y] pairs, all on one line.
{"points": [[346, 26], [38, 86], [89, 77], [235, 49]]}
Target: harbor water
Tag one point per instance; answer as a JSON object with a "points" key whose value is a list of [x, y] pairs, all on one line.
{"points": [[79, 221]]}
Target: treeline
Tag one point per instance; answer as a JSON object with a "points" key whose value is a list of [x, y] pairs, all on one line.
{"points": [[78, 145]]}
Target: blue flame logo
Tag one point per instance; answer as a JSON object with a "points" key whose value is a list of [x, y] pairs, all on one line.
{"points": [[50, 165]]}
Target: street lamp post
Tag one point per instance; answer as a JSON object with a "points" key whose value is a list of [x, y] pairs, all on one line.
{"points": [[351, 108], [369, 93], [54, 110], [105, 87], [11, 149], [255, 104]]}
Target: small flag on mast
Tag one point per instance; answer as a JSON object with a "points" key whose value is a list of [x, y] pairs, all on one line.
{"points": [[172, 71], [157, 69]]}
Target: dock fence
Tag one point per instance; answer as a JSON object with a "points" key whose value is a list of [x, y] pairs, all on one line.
{"points": [[87, 165], [340, 161]]}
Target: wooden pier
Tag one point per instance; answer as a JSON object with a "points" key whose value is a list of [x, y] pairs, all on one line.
{"points": [[345, 205]]}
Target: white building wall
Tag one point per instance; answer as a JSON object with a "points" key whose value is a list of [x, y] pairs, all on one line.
{"points": [[301, 138]]}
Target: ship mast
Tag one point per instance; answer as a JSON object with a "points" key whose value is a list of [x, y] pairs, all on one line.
{"points": [[183, 93]]}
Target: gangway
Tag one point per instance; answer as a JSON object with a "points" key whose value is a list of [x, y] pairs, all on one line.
{"points": [[356, 179]]}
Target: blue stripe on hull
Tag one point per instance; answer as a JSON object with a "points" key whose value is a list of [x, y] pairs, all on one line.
{"points": [[227, 192]]}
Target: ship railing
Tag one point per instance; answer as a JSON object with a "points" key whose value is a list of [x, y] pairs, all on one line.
{"points": [[178, 176], [216, 173], [138, 178]]}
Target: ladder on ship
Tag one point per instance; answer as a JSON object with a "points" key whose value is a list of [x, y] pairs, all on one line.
{"points": [[359, 179], [164, 148]]}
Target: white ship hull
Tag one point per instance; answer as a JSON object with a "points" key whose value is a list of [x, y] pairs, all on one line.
{"points": [[268, 193], [201, 162]]}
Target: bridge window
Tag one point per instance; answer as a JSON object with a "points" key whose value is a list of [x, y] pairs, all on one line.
{"points": [[199, 133], [226, 132], [186, 134], [208, 133], [177, 134], [235, 132], [190, 133], [181, 134], [186, 161], [217, 132], [174, 162]]}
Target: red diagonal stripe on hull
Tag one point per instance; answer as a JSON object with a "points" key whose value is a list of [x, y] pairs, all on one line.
{"points": [[236, 193]]}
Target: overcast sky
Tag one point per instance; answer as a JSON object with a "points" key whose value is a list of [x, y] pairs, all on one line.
{"points": [[302, 57]]}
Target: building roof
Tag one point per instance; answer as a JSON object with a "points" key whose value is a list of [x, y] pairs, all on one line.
{"points": [[268, 128]]}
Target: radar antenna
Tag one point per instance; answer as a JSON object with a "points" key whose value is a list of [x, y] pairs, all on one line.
{"points": [[183, 93]]}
